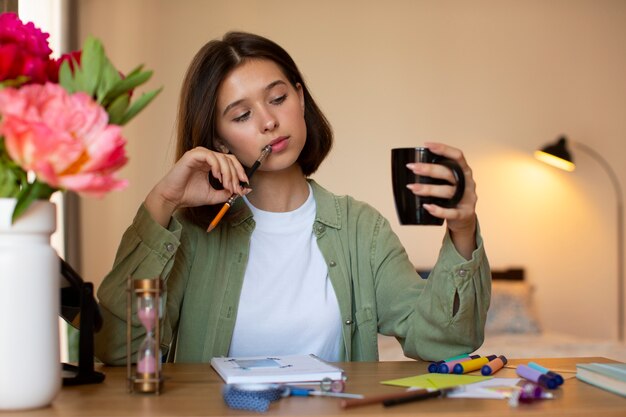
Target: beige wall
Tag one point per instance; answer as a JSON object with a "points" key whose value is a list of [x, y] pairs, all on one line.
{"points": [[495, 78]]}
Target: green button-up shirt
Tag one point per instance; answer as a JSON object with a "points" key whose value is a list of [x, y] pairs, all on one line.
{"points": [[377, 287]]}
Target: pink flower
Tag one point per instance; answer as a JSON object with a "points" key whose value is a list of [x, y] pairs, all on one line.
{"points": [[64, 139], [24, 50]]}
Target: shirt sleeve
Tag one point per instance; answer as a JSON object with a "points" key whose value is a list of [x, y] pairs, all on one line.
{"points": [[147, 250], [438, 317]]}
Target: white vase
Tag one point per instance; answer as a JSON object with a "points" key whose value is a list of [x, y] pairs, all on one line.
{"points": [[30, 370]]}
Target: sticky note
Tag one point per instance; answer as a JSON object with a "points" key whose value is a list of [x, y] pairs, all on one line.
{"points": [[436, 381]]}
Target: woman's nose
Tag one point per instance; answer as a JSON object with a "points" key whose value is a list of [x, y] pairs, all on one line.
{"points": [[270, 122]]}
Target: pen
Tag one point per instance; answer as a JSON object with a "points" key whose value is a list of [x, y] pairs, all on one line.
{"points": [[305, 392], [375, 399], [266, 151], [417, 396]]}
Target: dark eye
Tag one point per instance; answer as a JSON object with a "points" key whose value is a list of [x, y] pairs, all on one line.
{"points": [[279, 100], [243, 117]]}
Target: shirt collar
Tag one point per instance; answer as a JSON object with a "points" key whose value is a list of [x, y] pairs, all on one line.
{"points": [[328, 211]]}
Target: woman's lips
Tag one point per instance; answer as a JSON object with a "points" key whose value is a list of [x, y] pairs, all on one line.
{"points": [[279, 144]]}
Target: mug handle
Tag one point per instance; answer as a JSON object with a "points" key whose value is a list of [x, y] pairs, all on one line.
{"points": [[460, 181]]}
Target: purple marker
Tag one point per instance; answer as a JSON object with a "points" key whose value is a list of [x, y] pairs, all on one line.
{"points": [[536, 376], [446, 367], [557, 377]]}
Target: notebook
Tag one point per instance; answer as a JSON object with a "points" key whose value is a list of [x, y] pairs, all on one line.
{"points": [[275, 369], [608, 376]]}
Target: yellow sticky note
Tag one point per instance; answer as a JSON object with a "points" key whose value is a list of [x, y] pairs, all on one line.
{"points": [[436, 381]]}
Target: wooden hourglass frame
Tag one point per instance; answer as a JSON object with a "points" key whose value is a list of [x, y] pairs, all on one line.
{"points": [[145, 294]]}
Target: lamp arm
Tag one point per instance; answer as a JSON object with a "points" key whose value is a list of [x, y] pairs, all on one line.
{"points": [[620, 233], [605, 164]]}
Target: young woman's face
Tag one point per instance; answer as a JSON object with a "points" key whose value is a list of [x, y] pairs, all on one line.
{"points": [[257, 106]]}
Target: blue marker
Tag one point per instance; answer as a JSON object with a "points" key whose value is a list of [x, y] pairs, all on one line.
{"points": [[557, 377], [434, 366]]}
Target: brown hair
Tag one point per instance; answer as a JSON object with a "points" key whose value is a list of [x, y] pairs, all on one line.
{"points": [[198, 102]]}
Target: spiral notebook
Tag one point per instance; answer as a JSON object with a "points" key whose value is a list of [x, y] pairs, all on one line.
{"points": [[275, 369]]}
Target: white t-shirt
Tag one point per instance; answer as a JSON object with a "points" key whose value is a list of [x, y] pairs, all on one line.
{"points": [[287, 303]]}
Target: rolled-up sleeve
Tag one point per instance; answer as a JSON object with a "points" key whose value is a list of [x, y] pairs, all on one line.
{"points": [[438, 317]]}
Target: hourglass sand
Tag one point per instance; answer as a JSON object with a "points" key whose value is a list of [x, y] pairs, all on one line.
{"points": [[147, 377]]}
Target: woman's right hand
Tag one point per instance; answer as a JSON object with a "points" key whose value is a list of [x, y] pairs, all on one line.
{"points": [[187, 184]]}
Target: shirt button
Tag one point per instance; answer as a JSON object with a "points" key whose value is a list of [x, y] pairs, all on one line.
{"points": [[348, 322], [169, 247], [462, 272], [320, 228], [332, 263]]}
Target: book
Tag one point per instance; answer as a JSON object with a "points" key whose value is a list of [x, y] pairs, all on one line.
{"points": [[608, 376], [275, 369]]}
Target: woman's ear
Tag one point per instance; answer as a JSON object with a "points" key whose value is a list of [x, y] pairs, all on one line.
{"points": [[300, 95], [219, 144]]}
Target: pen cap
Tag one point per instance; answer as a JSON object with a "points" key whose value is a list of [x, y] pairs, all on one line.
{"points": [[557, 377], [433, 367]]}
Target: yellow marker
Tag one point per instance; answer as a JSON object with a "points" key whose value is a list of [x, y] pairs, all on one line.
{"points": [[472, 365]]}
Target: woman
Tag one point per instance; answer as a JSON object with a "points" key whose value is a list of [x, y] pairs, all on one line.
{"points": [[291, 268]]}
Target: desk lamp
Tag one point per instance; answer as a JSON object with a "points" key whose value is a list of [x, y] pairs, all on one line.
{"points": [[558, 155]]}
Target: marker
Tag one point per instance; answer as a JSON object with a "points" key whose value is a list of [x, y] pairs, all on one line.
{"points": [[546, 371], [534, 375], [434, 366], [446, 367], [472, 365], [494, 366]]}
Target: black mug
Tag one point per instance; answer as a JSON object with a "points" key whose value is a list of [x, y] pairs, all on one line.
{"points": [[410, 206]]}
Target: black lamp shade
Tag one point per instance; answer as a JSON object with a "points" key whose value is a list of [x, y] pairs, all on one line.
{"points": [[557, 155]]}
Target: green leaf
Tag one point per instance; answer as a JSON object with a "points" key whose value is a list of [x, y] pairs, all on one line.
{"points": [[91, 60], [136, 70], [66, 79], [9, 185], [117, 109], [125, 85], [109, 77], [28, 194], [138, 105]]}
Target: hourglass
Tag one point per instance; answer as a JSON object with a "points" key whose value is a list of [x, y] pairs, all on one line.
{"points": [[147, 376]]}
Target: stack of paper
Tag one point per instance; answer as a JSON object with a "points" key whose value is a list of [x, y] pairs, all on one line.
{"points": [[608, 376], [280, 369]]}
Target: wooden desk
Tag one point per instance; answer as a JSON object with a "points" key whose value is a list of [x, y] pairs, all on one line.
{"points": [[195, 390]]}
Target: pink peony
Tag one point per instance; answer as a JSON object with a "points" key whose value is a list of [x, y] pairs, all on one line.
{"points": [[24, 50], [64, 139]]}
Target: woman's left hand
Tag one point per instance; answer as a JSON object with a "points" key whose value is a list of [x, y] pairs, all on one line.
{"points": [[461, 220]]}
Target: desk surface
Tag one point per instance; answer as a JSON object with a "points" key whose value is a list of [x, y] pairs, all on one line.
{"points": [[195, 390]]}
